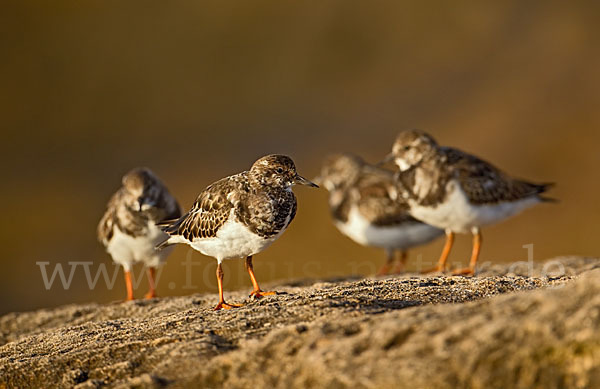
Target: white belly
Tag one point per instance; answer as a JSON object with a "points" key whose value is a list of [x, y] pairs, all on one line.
{"points": [[458, 215], [234, 240], [126, 250], [403, 236]]}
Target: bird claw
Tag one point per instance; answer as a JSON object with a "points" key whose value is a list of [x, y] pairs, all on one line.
{"points": [[384, 271], [257, 294], [467, 271], [436, 269], [224, 305]]}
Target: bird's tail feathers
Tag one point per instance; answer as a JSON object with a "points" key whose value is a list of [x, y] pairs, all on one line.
{"points": [[163, 224]]}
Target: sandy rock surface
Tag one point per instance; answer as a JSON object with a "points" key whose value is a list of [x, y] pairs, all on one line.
{"points": [[510, 326]]}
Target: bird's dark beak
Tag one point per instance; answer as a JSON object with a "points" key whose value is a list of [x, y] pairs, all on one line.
{"points": [[145, 204], [387, 159], [303, 181], [318, 180]]}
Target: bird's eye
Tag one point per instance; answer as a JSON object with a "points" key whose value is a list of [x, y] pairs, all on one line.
{"points": [[279, 170], [406, 148]]}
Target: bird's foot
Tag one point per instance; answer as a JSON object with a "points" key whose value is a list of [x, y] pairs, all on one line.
{"points": [[124, 300], [436, 269], [224, 305], [259, 294], [467, 271], [150, 295], [385, 269]]}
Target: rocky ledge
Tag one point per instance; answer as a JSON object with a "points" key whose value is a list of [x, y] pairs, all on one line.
{"points": [[506, 327]]}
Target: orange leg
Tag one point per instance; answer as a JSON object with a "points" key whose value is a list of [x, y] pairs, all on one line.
{"points": [[441, 266], [129, 285], [385, 269], [477, 240], [256, 292], [222, 304], [151, 283], [401, 262]]}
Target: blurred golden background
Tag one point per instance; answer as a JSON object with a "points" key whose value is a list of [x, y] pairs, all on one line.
{"points": [[197, 90]]}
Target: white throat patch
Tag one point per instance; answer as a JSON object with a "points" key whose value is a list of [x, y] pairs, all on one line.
{"points": [[402, 165]]}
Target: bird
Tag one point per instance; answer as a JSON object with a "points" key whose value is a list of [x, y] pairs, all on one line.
{"points": [[456, 191], [128, 228], [239, 216], [365, 206]]}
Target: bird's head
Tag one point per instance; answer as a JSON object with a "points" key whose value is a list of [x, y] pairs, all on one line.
{"points": [[411, 148], [339, 171], [141, 188], [277, 170]]}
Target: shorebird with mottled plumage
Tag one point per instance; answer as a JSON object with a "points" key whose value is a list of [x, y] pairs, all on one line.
{"points": [[456, 191], [240, 216], [128, 228], [366, 207]]}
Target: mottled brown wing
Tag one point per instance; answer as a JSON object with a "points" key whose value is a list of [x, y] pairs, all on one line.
{"points": [[267, 213], [210, 211], [342, 209], [485, 184], [109, 220], [379, 200]]}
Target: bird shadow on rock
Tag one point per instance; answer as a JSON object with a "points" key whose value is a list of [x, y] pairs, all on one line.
{"points": [[305, 282], [375, 306]]}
